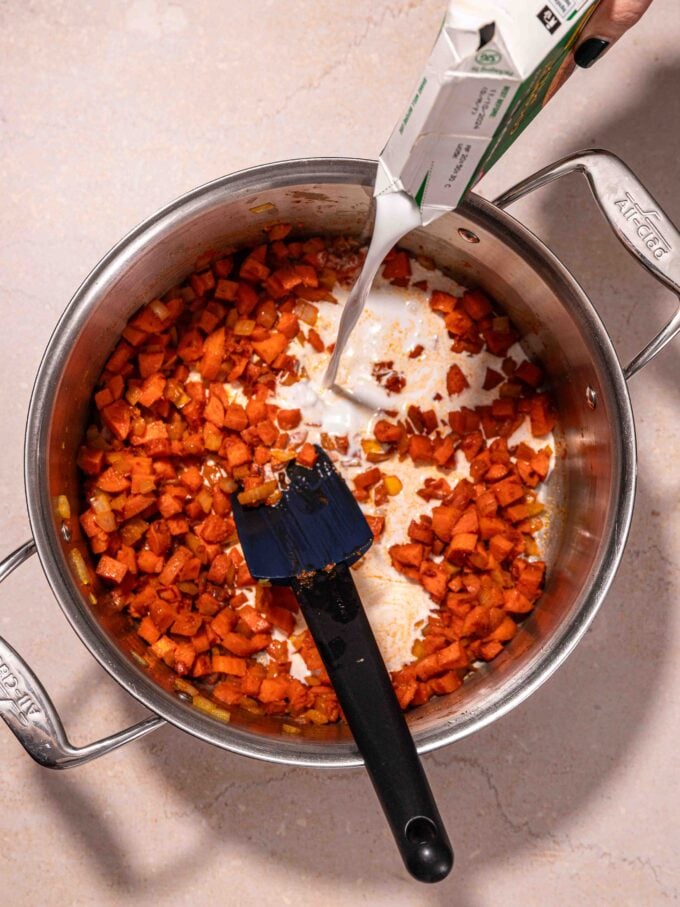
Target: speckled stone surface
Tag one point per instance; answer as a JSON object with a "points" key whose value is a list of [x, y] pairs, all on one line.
{"points": [[107, 111]]}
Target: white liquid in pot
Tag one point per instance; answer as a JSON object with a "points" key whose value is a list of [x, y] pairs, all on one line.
{"points": [[396, 214], [394, 322]]}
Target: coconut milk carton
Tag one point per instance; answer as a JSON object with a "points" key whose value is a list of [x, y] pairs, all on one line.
{"points": [[492, 68]]}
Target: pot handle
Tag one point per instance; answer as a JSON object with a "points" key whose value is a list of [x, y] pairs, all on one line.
{"points": [[636, 219], [29, 713]]}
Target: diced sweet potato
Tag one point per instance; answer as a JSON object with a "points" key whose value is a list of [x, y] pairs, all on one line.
{"points": [[117, 417], [434, 578], [529, 373], [541, 414], [377, 525], [476, 304], [443, 302], [501, 547], [243, 647], [444, 518], [272, 347], [508, 491], [173, 566], [456, 382], [216, 529], [492, 379], [462, 543], [409, 555], [421, 449], [112, 481], [148, 630], [397, 266], [255, 622], [111, 570], [226, 290], [187, 624], [387, 432], [444, 451], [288, 325], [288, 419], [421, 532], [453, 656], [515, 602], [467, 523], [229, 664], [213, 354], [368, 479], [307, 455]]}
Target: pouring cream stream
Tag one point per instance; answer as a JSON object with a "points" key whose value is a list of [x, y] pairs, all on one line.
{"points": [[396, 214]]}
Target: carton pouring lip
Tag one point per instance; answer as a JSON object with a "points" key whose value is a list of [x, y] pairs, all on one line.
{"points": [[466, 42]]}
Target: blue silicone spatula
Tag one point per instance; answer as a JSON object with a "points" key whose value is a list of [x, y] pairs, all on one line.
{"points": [[308, 541]]}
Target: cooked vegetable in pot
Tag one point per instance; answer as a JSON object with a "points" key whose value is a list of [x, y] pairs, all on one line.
{"points": [[439, 425]]}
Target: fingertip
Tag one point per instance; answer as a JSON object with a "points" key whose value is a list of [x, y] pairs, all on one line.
{"points": [[590, 51]]}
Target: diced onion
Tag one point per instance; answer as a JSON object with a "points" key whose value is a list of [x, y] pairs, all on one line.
{"points": [[260, 209], [316, 717], [282, 456], [79, 565], [133, 394], [159, 309], [185, 687], [370, 446], [101, 502], [204, 498], [106, 521], [244, 327], [227, 485], [257, 494], [62, 507], [209, 707], [306, 312], [188, 588]]}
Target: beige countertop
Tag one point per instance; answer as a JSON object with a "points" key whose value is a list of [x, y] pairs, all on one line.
{"points": [[109, 110]]}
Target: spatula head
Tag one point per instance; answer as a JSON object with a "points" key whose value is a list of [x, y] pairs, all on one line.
{"points": [[316, 523]]}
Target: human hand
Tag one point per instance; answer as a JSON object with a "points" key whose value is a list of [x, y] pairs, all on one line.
{"points": [[609, 22], [611, 19]]}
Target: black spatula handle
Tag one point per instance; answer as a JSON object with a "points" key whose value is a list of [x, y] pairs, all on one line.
{"points": [[338, 623]]}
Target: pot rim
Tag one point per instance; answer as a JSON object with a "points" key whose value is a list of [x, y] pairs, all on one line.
{"points": [[134, 680]]}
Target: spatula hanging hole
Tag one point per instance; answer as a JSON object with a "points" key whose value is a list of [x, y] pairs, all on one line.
{"points": [[421, 830]]}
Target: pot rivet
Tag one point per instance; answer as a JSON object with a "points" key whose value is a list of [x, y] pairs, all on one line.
{"points": [[467, 235], [185, 697], [65, 531], [591, 398]]}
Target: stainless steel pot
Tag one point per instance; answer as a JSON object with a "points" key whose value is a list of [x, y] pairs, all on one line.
{"points": [[592, 490]]}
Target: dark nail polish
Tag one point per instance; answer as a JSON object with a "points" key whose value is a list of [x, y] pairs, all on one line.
{"points": [[590, 51]]}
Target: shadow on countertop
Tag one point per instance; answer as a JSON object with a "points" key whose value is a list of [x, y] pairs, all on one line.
{"points": [[513, 788]]}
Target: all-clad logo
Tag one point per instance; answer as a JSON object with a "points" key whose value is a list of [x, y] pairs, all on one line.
{"points": [[641, 221], [13, 697]]}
